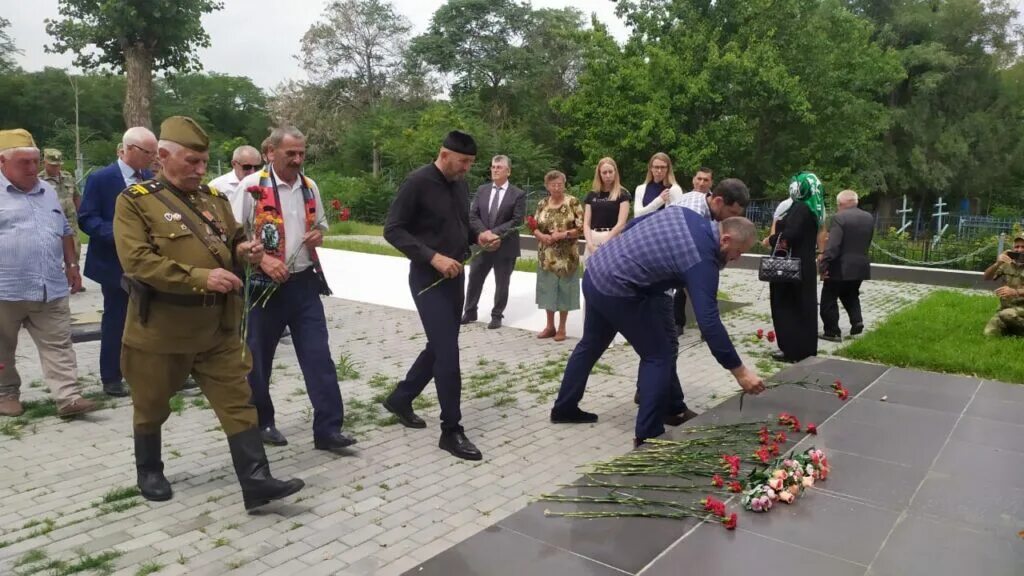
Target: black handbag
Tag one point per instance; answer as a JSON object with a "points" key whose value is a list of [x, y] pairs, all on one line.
{"points": [[776, 268]]}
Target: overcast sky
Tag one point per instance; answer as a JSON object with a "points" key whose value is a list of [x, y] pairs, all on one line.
{"points": [[254, 38]]}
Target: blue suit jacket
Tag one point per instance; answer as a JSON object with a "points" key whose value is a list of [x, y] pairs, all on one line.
{"points": [[96, 219]]}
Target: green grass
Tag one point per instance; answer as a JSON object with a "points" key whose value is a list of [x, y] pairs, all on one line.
{"points": [[346, 368], [943, 333], [353, 228], [148, 568]]}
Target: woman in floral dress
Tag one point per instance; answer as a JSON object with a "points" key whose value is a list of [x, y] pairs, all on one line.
{"points": [[559, 224]]}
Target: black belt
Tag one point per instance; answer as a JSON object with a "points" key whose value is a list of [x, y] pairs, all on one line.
{"points": [[205, 300], [600, 229]]}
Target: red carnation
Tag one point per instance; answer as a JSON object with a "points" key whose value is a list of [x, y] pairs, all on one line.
{"points": [[735, 487], [256, 192], [785, 417], [730, 522], [763, 454], [780, 436], [760, 333], [717, 481], [771, 336], [531, 223], [336, 204], [812, 429], [713, 505], [775, 449], [794, 424], [344, 215]]}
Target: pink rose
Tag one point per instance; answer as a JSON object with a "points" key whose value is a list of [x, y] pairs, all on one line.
{"points": [[808, 481], [775, 484], [794, 489], [755, 505], [786, 497], [766, 503], [771, 494]]}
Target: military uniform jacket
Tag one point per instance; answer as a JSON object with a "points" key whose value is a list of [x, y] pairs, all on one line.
{"points": [[156, 248], [63, 184], [1014, 275]]}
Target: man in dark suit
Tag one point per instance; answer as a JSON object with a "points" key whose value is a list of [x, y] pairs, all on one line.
{"points": [[844, 265], [498, 207], [96, 219]]}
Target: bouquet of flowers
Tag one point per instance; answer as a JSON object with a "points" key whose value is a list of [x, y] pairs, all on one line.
{"points": [[784, 480]]}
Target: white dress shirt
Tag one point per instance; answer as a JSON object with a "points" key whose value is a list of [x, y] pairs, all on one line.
{"points": [[293, 209], [228, 185], [500, 191], [128, 173]]}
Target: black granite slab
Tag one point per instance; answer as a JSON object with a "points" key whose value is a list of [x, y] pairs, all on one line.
{"points": [[926, 480]]}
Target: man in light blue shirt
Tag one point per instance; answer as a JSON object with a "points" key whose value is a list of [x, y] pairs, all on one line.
{"points": [[38, 271]]}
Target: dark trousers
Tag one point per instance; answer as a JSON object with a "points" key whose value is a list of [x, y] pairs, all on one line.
{"points": [[478, 271], [647, 326], [845, 291], [115, 310], [297, 305], [679, 307], [440, 310]]}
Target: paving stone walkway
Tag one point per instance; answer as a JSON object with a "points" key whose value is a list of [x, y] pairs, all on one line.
{"points": [[395, 502]]}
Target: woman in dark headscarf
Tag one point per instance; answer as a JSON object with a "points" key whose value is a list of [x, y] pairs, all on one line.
{"points": [[795, 305]]}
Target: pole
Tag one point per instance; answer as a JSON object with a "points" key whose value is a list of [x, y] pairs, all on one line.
{"points": [[79, 161], [1002, 243]]}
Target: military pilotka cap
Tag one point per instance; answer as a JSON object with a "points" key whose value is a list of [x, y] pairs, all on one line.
{"points": [[460, 142], [184, 130], [16, 138], [1018, 237], [52, 156]]}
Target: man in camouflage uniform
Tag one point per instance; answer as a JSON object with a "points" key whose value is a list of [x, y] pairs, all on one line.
{"points": [[67, 191], [1009, 321], [182, 252]]}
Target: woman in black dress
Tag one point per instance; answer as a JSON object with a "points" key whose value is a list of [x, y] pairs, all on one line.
{"points": [[795, 305]]}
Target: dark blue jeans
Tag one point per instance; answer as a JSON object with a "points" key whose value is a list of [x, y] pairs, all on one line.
{"points": [[297, 305], [440, 310], [115, 311], [644, 323]]}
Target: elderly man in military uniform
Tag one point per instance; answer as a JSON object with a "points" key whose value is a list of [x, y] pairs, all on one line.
{"points": [[67, 191], [182, 252], [1009, 321]]}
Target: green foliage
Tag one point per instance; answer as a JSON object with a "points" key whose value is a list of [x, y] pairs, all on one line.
{"points": [[7, 47], [97, 32], [943, 333]]}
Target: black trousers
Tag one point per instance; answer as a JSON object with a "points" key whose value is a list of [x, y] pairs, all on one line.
{"points": [[440, 310], [478, 270], [679, 307], [845, 291]]}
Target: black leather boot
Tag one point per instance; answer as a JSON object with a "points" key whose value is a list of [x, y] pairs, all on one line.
{"points": [[150, 468], [258, 486]]}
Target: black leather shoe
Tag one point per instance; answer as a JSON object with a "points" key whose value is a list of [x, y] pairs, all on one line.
{"points": [[405, 416], [469, 317], [273, 436], [577, 417], [678, 419], [150, 468], [253, 470], [455, 441], [115, 389], [680, 329], [856, 329], [636, 397], [779, 356], [831, 337], [637, 442], [335, 443], [494, 324]]}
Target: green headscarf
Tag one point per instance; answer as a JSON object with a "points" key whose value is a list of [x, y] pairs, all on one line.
{"points": [[805, 187]]}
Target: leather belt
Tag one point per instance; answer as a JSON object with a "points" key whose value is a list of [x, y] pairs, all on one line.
{"points": [[205, 300], [600, 229]]}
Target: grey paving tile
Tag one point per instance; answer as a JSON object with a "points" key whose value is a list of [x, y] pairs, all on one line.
{"points": [[713, 551], [982, 502], [997, 409], [886, 484], [985, 464], [926, 547], [499, 552], [989, 433], [920, 395], [1002, 391]]}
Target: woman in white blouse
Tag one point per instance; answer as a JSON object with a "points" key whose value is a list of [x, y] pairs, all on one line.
{"points": [[659, 188]]}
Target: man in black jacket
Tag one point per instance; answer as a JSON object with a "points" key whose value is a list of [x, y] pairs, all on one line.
{"points": [[429, 222], [844, 265], [499, 207]]}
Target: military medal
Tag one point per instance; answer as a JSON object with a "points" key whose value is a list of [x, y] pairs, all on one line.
{"points": [[168, 216]]}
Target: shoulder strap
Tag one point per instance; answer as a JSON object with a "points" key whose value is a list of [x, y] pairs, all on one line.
{"points": [[191, 225]]}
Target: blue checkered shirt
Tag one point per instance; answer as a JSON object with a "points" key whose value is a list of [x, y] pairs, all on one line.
{"points": [[696, 201], [32, 227], [672, 248]]}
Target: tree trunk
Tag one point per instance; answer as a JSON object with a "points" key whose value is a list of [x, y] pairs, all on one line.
{"points": [[376, 159], [138, 98]]}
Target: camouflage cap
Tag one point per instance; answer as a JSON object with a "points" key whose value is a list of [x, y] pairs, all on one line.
{"points": [[52, 156], [185, 131], [1018, 237], [16, 138]]}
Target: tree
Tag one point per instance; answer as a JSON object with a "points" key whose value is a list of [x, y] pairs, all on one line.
{"points": [[357, 46], [757, 89], [138, 37], [7, 47]]}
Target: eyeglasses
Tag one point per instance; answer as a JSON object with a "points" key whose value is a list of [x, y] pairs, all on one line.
{"points": [[141, 149], [250, 167]]}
